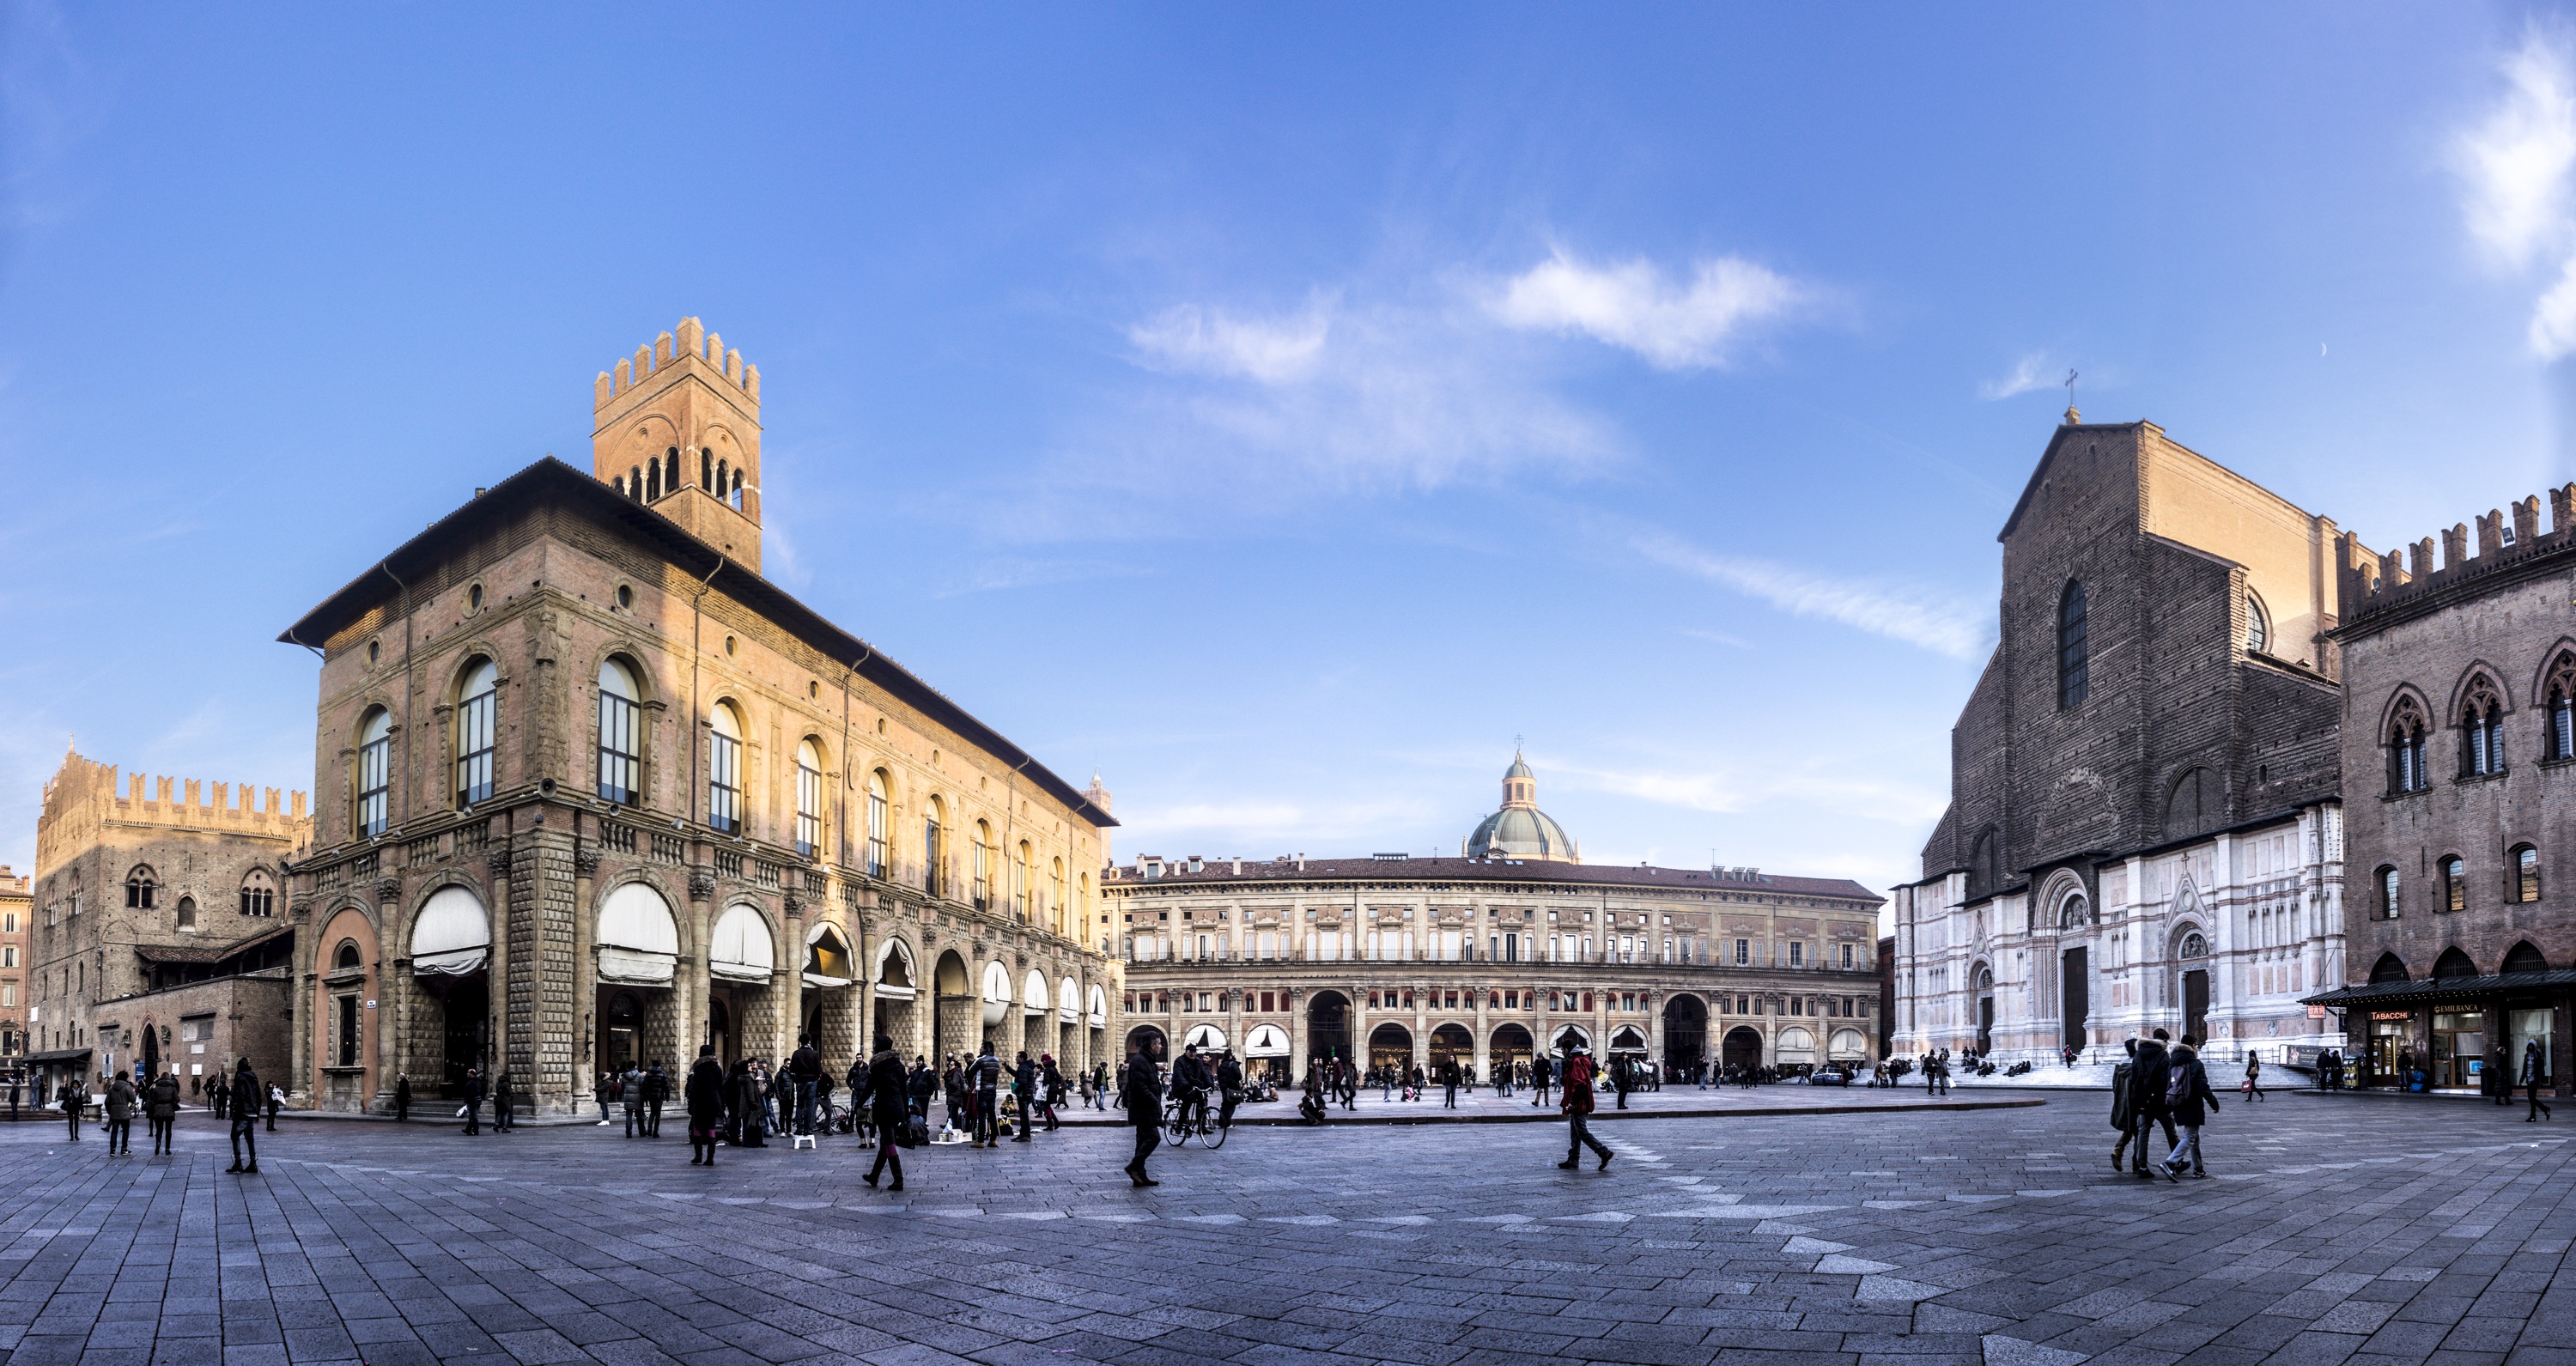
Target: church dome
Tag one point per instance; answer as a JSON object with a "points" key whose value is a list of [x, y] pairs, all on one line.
{"points": [[1520, 830]]}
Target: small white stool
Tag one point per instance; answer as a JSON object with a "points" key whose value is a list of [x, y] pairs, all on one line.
{"points": [[802, 1141]]}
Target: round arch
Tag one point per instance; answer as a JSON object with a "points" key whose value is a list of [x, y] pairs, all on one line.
{"points": [[1328, 1025], [1567, 1038], [1741, 1049], [1068, 1001], [1144, 1034], [828, 961], [1796, 1045], [451, 933], [1099, 1007], [997, 993], [1685, 1030], [1033, 993], [1206, 1038], [1847, 1045], [895, 972], [742, 948], [1390, 1045], [1510, 1045], [1452, 1042]]}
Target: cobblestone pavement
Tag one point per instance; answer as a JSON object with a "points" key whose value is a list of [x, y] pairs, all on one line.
{"points": [[2333, 1230], [1374, 1107]]}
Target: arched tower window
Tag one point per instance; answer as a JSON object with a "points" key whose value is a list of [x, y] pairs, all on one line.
{"points": [[877, 824], [1055, 893], [347, 957], [2525, 861], [258, 894], [809, 799], [375, 773], [2074, 660], [2561, 691], [724, 770], [652, 481], [2406, 747], [187, 913], [2388, 901], [2258, 623], [2455, 883], [707, 469], [140, 887], [736, 500], [2481, 731], [621, 735], [635, 482], [981, 871], [671, 470], [1020, 883], [477, 704], [934, 850], [722, 474]]}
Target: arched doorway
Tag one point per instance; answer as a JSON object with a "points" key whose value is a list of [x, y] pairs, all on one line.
{"points": [[451, 944], [1390, 1045], [1328, 1026], [892, 994], [1568, 1039], [2075, 980], [720, 1029], [622, 1033], [1741, 1049], [953, 1010], [1452, 1043], [1685, 1033], [1985, 1010], [1142, 1035], [1509, 1048], [2193, 950]]}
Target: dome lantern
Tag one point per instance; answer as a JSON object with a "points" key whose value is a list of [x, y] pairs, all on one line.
{"points": [[1520, 830]]}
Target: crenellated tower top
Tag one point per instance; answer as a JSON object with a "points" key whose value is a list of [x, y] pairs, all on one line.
{"points": [[677, 428]]}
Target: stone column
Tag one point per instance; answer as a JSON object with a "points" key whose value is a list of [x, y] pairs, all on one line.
{"points": [[791, 964], [1484, 1051], [1296, 1034], [1422, 1027], [303, 981], [502, 910], [696, 987], [1655, 1031], [585, 965]]}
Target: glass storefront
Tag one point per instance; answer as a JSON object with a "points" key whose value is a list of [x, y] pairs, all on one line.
{"points": [[2528, 1025], [2459, 1048], [2392, 1049]]}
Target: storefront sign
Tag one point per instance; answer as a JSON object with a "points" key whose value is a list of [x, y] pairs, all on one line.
{"points": [[2316, 1012], [2391, 1015]]}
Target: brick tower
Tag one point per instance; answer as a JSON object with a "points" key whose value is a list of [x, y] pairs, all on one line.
{"points": [[678, 428]]}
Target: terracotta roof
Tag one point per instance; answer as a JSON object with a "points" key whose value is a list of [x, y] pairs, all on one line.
{"points": [[206, 953], [1215, 871]]}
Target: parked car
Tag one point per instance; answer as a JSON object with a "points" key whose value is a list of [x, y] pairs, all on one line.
{"points": [[1829, 1076]]}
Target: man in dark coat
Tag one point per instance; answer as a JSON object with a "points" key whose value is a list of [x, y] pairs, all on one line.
{"points": [[805, 1068], [120, 1115], [1542, 1073], [657, 1089], [1024, 1088], [887, 1093], [2147, 1078], [1229, 1088], [245, 1112], [73, 1098], [704, 1094], [2188, 1102], [505, 1104], [473, 1101], [1144, 1101], [160, 1108], [402, 1097], [1449, 1084], [984, 1079]]}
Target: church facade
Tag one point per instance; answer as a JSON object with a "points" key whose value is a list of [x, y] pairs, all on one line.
{"points": [[2145, 827], [590, 791], [1512, 948]]}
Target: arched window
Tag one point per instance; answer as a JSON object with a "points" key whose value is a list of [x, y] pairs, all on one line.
{"points": [[621, 735], [140, 886], [1020, 883], [2561, 691], [2481, 731], [2523, 957], [724, 770], [258, 894], [1055, 893], [736, 499], [2455, 883], [671, 470], [722, 474], [2258, 623], [982, 869], [187, 913], [347, 957], [2453, 963], [2194, 945], [635, 483], [2074, 682], [934, 850], [2525, 861], [707, 468], [653, 482], [2075, 912], [2406, 748], [375, 772], [2389, 968], [877, 824], [477, 702], [809, 799], [2388, 903]]}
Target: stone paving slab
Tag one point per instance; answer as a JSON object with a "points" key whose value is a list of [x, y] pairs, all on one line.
{"points": [[2329, 1233]]}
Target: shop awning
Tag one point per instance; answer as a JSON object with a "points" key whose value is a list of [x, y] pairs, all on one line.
{"points": [[56, 1058], [451, 937], [2366, 995], [741, 952], [639, 943], [1266, 1041]]}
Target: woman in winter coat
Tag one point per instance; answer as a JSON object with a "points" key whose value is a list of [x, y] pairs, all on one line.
{"points": [[704, 1095], [889, 1109], [160, 1108], [2189, 1103], [750, 1108]]}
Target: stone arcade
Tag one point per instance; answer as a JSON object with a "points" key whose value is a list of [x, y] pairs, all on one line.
{"points": [[592, 791]]}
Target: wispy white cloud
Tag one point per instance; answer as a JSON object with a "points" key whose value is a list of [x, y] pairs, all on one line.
{"points": [[1203, 340], [998, 575], [1725, 789], [1899, 612], [1632, 305], [2519, 166], [2033, 371]]}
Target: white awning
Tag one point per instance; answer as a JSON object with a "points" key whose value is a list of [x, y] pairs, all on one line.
{"points": [[827, 957], [1207, 1037], [451, 936], [894, 970], [1068, 1001], [741, 951], [1266, 1041], [816, 979], [638, 942], [1099, 1008], [997, 993], [1033, 993], [1849, 1045]]}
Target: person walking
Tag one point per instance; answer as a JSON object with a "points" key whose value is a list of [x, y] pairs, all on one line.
{"points": [[1576, 1106], [1143, 1097], [1229, 1085], [2535, 1071], [985, 1078], [2121, 1117], [704, 1096], [2253, 1087], [888, 1099], [73, 1099], [1050, 1090], [243, 1106], [657, 1089], [606, 1094], [505, 1105], [1623, 1078], [1542, 1072], [1024, 1092], [402, 1098], [2148, 1077], [160, 1108], [1449, 1083], [2189, 1103], [750, 1107], [630, 1095], [473, 1101], [120, 1116], [805, 1070]]}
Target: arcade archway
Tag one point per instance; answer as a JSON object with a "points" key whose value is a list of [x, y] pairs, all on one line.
{"points": [[1741, 1049], [1510, 1047], [1328, 1026], [1390, 1045], [1685, 1032]]}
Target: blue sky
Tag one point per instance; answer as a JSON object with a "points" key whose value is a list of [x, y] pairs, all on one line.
{"points": [[1279, 413]]}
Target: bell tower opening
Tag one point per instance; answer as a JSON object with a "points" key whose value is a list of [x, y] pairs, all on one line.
{"points": [[677, 429]]}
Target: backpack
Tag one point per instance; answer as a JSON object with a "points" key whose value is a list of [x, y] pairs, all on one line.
{"points": [[2180, 1083]]}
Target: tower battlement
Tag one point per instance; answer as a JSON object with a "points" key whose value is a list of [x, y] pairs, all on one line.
{"points": [[2504, 537], [676, 427], [84, 797]]}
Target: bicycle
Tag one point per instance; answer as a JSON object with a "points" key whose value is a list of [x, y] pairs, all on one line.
{"points": [[1193, 1118]]}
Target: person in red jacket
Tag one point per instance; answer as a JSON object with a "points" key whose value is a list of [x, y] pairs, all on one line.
{"points": [[1576, 1105]]}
